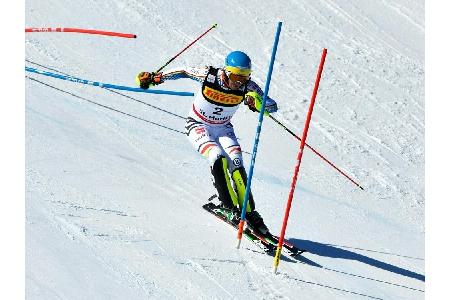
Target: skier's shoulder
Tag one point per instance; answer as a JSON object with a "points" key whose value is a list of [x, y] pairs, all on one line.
{"points": [[251, 85], [254, 87]]}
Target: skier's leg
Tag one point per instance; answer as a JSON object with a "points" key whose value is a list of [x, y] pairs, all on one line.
{"points": [[203, 138], [231, 146], [240, 180], [254, 219], [222, 182]]}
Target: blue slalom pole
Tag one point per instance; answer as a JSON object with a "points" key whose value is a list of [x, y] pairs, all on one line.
{"points": [[258, 132], [106, 85]]}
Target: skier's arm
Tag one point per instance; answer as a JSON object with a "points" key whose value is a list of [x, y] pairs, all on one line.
{"points": [[197, 74], [147, 79], [254, 102]]}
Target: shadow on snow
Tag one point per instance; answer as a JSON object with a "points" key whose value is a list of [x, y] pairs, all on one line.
{"points": [[328, 250]]}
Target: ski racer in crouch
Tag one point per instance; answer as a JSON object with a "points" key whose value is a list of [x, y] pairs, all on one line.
{"points": [[209, 129]]}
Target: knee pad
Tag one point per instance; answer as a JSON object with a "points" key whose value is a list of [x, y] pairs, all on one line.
{"points": [[235, 158], [214, 154]]}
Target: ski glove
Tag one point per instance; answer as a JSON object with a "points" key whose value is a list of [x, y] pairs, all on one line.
{"points": [[147, 79], [254, 102]]}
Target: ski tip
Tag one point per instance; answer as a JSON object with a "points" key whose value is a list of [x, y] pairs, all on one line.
{"points": [[208, 205], [212, 197]]}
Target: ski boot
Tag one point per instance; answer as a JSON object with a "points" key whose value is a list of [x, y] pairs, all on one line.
{"points": [[232, 213], [256, 223]]}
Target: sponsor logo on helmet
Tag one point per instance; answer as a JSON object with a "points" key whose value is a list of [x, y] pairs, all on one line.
{"points": [[220, 97]]}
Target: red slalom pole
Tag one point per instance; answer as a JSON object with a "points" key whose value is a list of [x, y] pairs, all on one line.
{"points": [[79, 30], [297, 166]]}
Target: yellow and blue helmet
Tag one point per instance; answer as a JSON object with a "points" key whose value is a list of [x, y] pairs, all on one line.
{"points": [[237, 62]]}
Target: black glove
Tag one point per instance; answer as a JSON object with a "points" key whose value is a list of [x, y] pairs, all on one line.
{"points": [[145, 79]]}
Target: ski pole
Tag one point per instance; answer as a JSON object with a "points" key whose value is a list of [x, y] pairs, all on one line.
{"points": [[79, 30], [317, 153], [258, 131], [106, 85], [110, 90], [297, 166], [178, 54], [102, 105]]}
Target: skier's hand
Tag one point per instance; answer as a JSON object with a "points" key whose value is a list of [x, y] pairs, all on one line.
{"points": [[250, 102], [145, 79], [254, 102]]}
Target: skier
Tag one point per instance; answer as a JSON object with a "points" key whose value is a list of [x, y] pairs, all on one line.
{"points": [[209, 129]]}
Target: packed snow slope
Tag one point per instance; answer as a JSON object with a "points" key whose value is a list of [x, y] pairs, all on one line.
{"points": [[113, 200]]}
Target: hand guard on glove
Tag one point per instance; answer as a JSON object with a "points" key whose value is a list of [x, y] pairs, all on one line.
{"points": [[145, 79], [254, 102]]}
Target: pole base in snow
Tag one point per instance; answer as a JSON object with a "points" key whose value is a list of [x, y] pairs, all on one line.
{"points": [[276, 260], [238, 245], [240, 230]]}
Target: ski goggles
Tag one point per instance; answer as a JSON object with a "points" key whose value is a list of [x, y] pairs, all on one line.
{"points": [[238, 70], [237, 78]]}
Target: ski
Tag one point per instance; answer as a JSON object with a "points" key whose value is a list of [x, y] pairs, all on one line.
{"points": [[217, 211], [272, 239], [268, 243], [291, 250]]}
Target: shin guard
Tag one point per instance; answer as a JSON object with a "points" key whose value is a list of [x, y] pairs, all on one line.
{"points": [[240, 180], [222, 182]]}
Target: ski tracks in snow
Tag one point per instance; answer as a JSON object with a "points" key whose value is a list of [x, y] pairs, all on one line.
{"points": [[125, 232], [203, 271]]}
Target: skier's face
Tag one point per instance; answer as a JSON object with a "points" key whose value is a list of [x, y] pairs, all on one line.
{"points": [[235, 81]]}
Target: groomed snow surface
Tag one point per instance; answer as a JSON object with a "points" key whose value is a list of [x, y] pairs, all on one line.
{"points": [[113, 201]]}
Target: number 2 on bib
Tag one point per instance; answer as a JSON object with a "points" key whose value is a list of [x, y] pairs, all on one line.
{"points": [[218, 110]]}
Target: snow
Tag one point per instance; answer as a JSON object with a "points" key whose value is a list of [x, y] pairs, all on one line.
{"points": [[113, 204]]}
